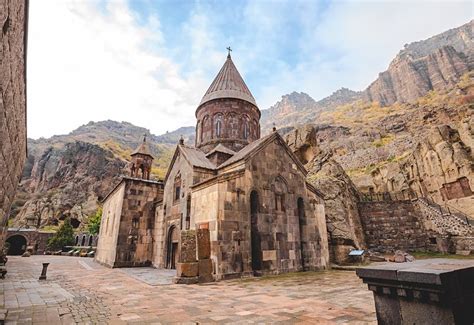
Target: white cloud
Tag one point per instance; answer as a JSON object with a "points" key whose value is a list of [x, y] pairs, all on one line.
{"points": [[86, 63]]}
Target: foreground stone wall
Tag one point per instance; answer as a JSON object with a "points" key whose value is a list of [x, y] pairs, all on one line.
{"points": [[390, 226], [13, 17]]}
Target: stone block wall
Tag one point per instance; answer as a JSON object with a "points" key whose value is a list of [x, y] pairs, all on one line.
{"points": [[135, 236], [282, 238], [13, 19], [109, 226], [389, 226]]}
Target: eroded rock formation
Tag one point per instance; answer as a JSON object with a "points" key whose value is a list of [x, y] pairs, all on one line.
{"points": [[441, 167], [339, 193], [67, 182], [433, 64]]}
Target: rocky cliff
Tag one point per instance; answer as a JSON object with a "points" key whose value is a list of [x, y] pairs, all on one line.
{"points": [[409, 78], [440, 167], [339, 193], [436, 64], [66, 182], [67, 175]]}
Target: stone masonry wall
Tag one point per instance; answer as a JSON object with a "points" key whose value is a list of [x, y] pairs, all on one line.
{"points": [[13, 16], [233, 114], [278, 229], [389, 226], [135, 237]]}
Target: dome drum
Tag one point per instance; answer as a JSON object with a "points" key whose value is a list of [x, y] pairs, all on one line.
{"points": [[230, 121]]}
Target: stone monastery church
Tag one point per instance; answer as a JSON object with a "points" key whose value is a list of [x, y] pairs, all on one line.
{"points": [[249, 193]]}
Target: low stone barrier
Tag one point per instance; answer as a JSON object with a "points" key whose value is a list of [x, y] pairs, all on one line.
{"points": [[434, 291]]}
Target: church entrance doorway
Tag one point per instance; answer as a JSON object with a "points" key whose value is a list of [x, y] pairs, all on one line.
{"points": [[172, 248], [254, 234], [17, 245]]}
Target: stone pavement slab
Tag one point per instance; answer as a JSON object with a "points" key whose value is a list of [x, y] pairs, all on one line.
{"points": [[78, 290]]}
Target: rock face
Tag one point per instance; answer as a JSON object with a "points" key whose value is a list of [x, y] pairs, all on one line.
{"points": [[299, 108], [12, 103], [67, 182], [339, 193], [441, 167], [434, 64], [409, 78], [66, 174]]}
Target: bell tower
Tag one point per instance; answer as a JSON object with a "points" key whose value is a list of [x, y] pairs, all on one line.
{"points": [[228, 113], [142, 159]]}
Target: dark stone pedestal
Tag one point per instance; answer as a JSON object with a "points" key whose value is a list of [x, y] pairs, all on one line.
{"points": [[434, 291]]}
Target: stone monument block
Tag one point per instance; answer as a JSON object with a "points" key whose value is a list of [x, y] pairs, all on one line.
{"points": [[188, 269], [187, 246], [205, 271], [434, 291], [203, 243]]}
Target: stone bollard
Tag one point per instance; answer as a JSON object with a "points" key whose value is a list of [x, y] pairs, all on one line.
{"points": [[43, 272], [433, 291], [204, 256], [187, 266]]}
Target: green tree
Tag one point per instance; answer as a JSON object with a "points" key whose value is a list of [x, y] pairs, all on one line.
{"points": [[93, 225], [63, 237]]}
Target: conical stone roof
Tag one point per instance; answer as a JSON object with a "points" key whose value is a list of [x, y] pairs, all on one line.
{"points": [[228, 84], [142, 149]]}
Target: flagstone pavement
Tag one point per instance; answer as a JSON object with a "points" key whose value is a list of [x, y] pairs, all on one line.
{"points": [[78, 290]]}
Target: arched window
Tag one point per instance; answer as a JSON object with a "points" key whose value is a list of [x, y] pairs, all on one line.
{"points": [[280, 190], [90, 240], [218, 123], [198, 132], [205, 129], [218, 129], [135, 223], [177, 187], [246, 130]]}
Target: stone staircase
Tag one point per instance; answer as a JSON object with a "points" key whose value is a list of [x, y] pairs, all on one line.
{"points": [[443, 220]]}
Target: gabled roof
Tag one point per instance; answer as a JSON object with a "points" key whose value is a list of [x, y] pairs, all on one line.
{"points": [[142, 149], [228, 84], [193, 156], [221, 148], [252, 148], [196, 157]]}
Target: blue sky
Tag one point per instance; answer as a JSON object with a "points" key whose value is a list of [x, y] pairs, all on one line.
{"points": [[149, 62]]}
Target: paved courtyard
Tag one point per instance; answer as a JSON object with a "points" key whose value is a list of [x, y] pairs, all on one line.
{"points": [[78, 290]]}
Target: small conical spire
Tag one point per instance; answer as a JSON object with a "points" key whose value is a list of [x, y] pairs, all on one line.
{"points": [[181, 140], [143, 148]]}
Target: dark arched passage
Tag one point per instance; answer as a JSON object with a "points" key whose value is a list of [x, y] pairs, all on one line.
{"points": [[17, 245], [254, 234], [172, 248]]}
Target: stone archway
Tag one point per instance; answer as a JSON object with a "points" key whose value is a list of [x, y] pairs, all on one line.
{"points": [[254, 233], [18, 245], [172, 248]]}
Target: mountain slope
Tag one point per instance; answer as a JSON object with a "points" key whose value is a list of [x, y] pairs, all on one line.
{"points": [[66, 175]]}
